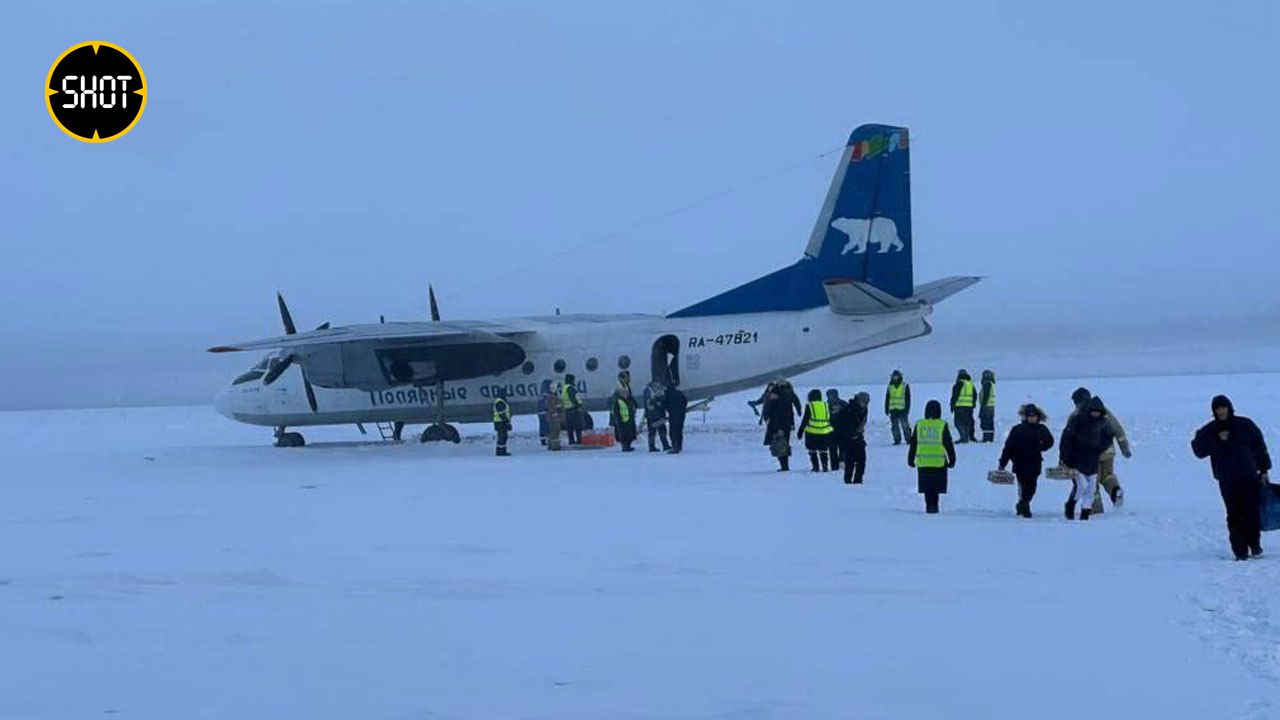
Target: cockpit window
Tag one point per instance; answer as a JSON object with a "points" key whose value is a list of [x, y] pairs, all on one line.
{"points": [[256, 372]]}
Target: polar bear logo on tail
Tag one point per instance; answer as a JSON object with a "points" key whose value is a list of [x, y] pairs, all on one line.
{"points": [[882, 231]]}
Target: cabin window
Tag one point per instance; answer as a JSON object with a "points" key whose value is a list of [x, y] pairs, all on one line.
{"points": [[559, 366], [592, 364], [624, 362], [527, 368]]}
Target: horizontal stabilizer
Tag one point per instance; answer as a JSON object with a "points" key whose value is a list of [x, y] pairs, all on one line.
{"points": [[854, 297], [939, 290]]}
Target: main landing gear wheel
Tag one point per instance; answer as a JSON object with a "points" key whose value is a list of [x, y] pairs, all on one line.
{"points": [[290, 439], [439, 432]]}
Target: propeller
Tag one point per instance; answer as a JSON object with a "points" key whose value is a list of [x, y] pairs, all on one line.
{"points": [[435, 317], [277, 369]]}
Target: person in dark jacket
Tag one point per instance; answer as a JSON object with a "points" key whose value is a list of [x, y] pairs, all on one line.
{"points": [[622, 412], [964, 397], [779, 421], [848, 428], [1241, 464], [779, 410], [897, 406], [987, 406], [834, 404], [677, 408], [931, 452], [1024, 447], [655, 415], [815, 429], [1084, 439]]}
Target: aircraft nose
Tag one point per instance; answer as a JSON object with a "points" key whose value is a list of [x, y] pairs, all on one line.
{"points": [[222, 402]]}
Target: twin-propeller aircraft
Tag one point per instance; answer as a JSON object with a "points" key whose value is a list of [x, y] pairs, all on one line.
{"points": [[850, 292]]}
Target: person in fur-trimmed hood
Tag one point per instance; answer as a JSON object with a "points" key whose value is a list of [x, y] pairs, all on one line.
{"points": [[1025, 448]]}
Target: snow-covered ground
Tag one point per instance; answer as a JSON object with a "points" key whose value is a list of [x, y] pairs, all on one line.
{"points": [[167, 563]]}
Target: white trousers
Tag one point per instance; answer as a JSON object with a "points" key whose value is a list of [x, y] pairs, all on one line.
{"points": [[1085, 487]]}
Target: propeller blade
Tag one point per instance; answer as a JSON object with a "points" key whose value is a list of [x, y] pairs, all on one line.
{"points": [[276, 369], [323, 327], [435, 309], [311, 394], [289, 327]]}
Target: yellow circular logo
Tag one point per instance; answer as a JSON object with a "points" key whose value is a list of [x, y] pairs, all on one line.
{"points": [[95, 91]]}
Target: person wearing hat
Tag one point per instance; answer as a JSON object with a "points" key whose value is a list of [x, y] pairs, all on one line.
{"points": [[655, 415], [964, 398], [897, 406], [1025, 447], [849, 425], [987, 406], [1085, 438], [677, 408], [815, 430], [622, 412], [1107, 478], [834, 405], [571, 406], [501, 420], [1238, 454]]}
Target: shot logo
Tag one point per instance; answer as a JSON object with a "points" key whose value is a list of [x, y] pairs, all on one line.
{"points": [[96, 91]]}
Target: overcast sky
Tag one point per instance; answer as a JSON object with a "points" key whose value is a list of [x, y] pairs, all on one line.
{"points": [[1103, 163]]}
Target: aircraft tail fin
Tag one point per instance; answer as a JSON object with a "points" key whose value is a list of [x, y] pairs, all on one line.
{"points": [[863, 233]]}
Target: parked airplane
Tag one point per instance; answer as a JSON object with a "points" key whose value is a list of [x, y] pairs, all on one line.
{"points": [[850, 292]]}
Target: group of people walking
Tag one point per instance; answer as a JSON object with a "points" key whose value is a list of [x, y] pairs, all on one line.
{"points": [[833, 429], [665, 407], [834, 432]]}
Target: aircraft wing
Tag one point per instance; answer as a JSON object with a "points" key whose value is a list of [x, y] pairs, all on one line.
{"points": [[392, 333], [384, 355]]}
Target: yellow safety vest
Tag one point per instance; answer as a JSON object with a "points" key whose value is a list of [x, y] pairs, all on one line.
{"points": [[624, 410], [501, 411], [968, 396], [565, 400], [819, 419], [991, 396], [897, 396], [930, 452]]}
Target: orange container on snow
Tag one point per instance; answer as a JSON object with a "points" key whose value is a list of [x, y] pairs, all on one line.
{"points": [[598, 438]]}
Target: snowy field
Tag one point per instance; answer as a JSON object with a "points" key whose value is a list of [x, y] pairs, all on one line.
{"points": [[167, 563]]}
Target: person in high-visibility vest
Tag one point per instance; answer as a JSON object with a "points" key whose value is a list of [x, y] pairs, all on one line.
{"points": [[897, 405], [815, 428], [987, 406], [571, 406], [931, 453], [622, 412], [964, 397], [502, 421]]}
